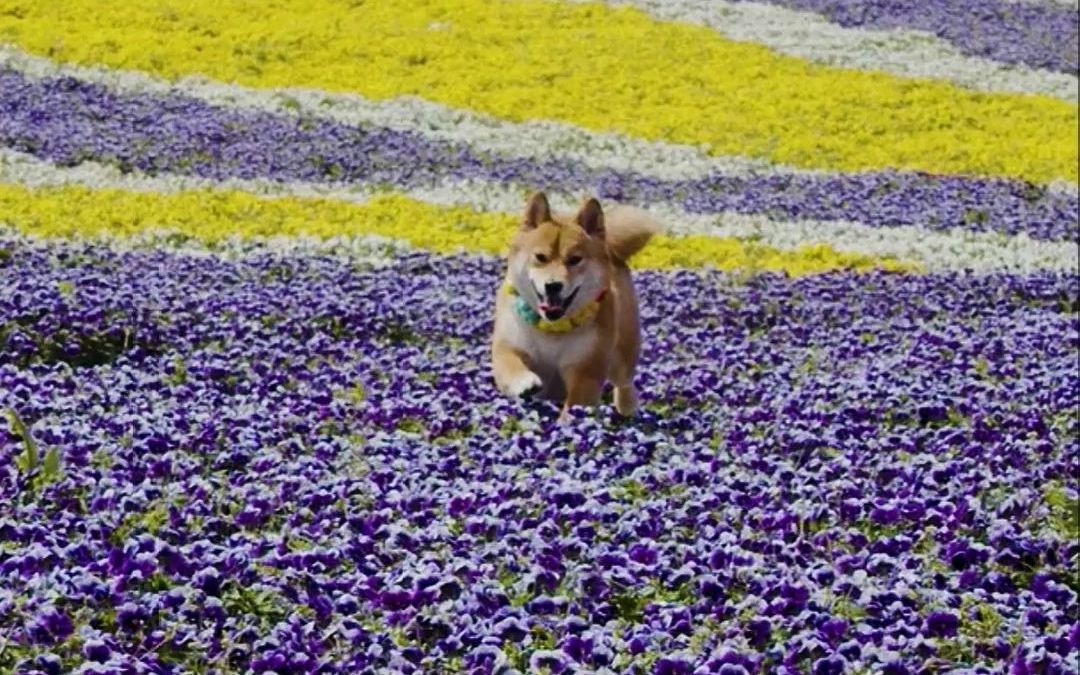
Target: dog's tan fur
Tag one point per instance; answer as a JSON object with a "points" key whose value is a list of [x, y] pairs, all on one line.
{"points": [[588, 251]]}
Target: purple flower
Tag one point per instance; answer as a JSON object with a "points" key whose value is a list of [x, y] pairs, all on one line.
{"points": [[759, 631], [833, 630], [511, 629], [672, 665], [96, 650], [778, 489], [941, 624], [830, 665], [578, 648], [643, 554], [551, 660], [51, 625]]}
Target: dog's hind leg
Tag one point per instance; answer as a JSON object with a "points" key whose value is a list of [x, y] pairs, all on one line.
{"points": [[625, 395], [583, 387], [626, 399], [627, 346], [622, 375]]}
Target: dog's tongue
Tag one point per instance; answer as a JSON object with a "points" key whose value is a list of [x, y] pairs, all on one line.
{"points": [[551, 312]]}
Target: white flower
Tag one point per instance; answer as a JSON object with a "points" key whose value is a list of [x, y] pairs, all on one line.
{"points": [[810, 36]]}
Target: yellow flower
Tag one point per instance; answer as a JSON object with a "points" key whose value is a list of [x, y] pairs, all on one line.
{"points": [[214, 215]]}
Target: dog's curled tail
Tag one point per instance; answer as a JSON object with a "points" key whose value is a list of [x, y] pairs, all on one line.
{"points": [[627, 230]]}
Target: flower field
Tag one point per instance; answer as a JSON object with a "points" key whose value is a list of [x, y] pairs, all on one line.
{"points": [[248, 259]]}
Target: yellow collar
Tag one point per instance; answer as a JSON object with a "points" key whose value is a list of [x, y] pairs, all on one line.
{"points": [[563, 324]]}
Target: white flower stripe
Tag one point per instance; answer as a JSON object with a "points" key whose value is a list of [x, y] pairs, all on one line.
{"points": [[907, 53], [1063, 3]]}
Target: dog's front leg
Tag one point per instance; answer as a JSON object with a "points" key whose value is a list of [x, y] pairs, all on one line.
{"points": [[512, 375], [583, 387]]}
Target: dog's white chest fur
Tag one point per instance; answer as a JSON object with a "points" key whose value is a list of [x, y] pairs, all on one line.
{"points": [[551, 352]]}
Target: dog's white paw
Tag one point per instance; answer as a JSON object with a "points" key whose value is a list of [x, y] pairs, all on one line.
{"points": [[526, 384]]}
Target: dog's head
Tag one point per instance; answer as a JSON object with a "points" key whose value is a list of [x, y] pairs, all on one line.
{"points": [[559, 264]]}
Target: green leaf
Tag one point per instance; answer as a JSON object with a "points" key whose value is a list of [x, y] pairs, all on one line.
{"points": [[1064, 512], [50, 466], [27, 460]]}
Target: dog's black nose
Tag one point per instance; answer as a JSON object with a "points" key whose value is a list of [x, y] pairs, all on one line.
{"points": [[553, 288]]}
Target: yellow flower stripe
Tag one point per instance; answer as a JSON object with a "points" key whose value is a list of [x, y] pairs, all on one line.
{"points": [[604, 68], [213, 215]]}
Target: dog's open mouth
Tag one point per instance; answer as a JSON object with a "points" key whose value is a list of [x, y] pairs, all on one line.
{"points": [[554, 309]]}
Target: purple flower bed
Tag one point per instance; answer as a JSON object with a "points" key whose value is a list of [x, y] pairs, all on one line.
{"points": [[67, 122], [298, 464], [1039, 35]]}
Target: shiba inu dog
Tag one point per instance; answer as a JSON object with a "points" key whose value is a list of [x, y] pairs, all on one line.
{"points": [[566, 318]]}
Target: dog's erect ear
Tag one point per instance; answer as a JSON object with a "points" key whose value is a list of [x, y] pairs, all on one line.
{"points": [[536, 211], [591, 218]]}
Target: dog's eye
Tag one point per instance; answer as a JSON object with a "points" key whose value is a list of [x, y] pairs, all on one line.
{"points": [[541, 258], [573, 260]]}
